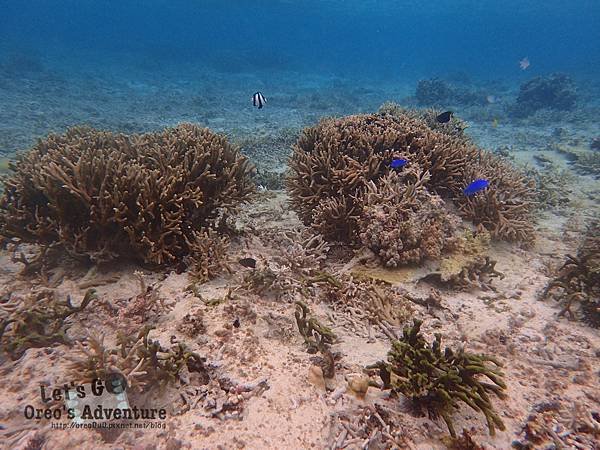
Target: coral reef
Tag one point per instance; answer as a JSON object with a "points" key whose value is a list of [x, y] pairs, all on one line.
{"points": [[578, 280], [38, 320], [104, 196], [439, 380], [208, 256], [438, 92], [402, 222], [143, 362], [338, 160], [506, 207], [556, 91]]}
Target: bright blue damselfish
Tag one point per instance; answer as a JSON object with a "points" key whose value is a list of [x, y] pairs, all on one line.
{"points": [[475, 187], [397, 163]]}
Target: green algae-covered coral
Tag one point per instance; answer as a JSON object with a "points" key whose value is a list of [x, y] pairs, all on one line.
{"points": [[316, 335], [578, 280], [337, 161], [38, 320], [101, 195], [438, 380]]}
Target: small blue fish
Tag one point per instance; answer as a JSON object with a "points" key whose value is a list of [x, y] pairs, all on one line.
{"points": [[475, 187], [398, 163]]}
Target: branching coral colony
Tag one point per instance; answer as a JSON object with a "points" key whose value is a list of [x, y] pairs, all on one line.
{"points": [[143, 362], [578, 280], [341, 166], [102, 195], [439, 380], [37, 320]]}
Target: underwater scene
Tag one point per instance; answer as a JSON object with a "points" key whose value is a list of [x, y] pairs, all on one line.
{"points": [[286, 224]]}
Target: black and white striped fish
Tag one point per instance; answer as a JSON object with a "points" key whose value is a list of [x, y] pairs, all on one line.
{"points": [[259, 100]]}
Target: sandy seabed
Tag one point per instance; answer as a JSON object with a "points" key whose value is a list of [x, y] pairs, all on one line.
{"points": [[551, 365]]}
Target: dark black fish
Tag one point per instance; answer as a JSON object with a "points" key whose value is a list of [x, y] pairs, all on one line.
{"points": [[444, 117], [258, 100], [248, 262]]}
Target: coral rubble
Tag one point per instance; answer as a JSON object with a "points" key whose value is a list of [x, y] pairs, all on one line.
{"points": [[103, 196], [583, 160], [439, 380], [367, 303], [556, 91], [38, 320]]}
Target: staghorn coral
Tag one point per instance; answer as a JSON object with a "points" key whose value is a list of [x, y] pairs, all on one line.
{"points": [[578, 280], [208, 256], [556, 91], [143, 362], [506, 207], [455, 127], [335, 162], [104, 196], [402, 222], [439, 380], [37, 320]]}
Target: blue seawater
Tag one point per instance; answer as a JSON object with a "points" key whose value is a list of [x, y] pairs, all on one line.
{"points": [[136, 65]]}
